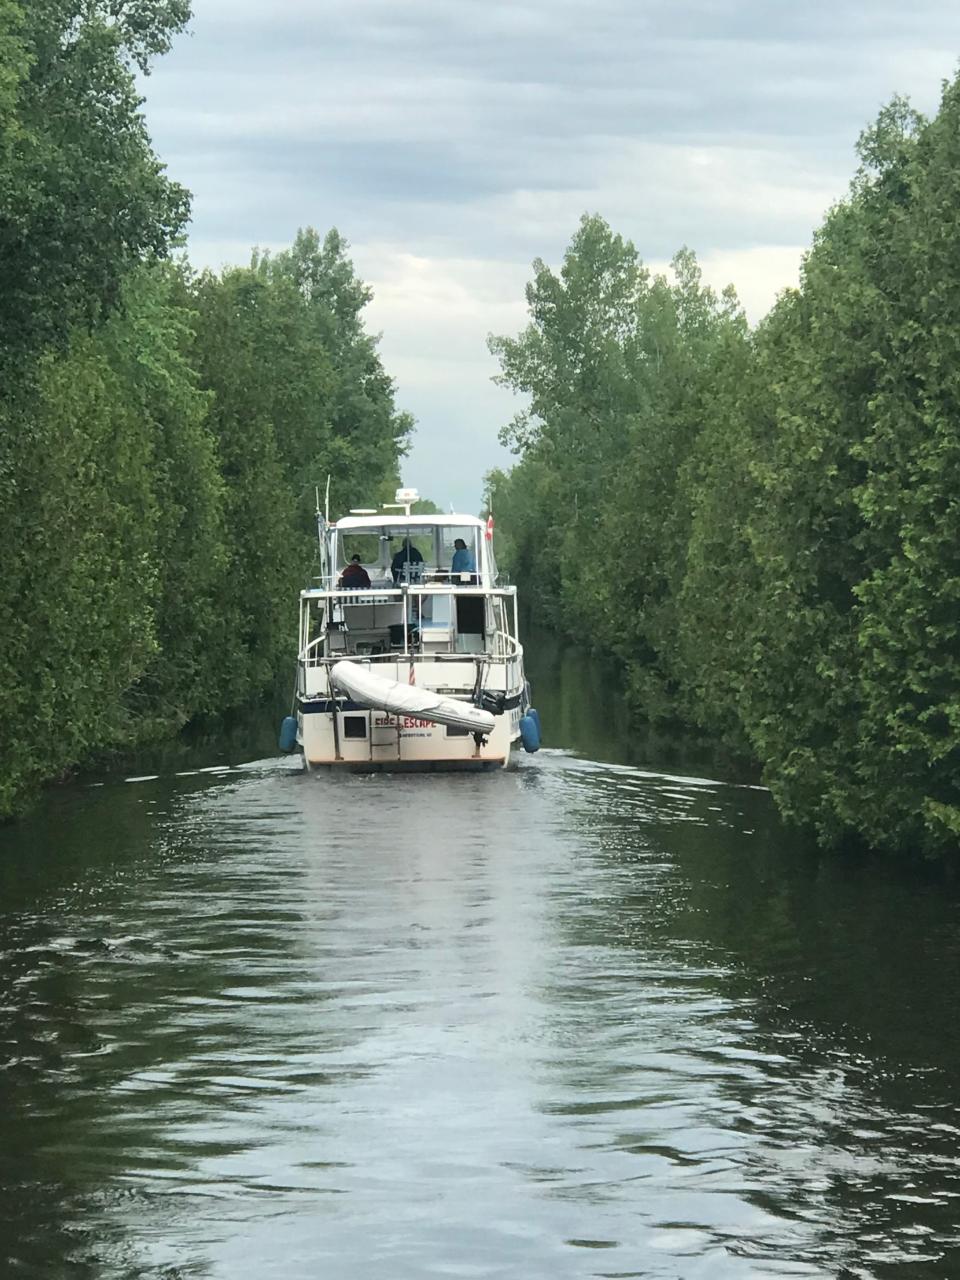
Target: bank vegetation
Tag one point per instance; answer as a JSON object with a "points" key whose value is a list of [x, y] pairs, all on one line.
{"points": [[161, 430], [763, 524]]}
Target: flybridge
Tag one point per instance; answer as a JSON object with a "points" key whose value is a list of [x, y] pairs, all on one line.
{"points": [[391, 548], [373, 517]]}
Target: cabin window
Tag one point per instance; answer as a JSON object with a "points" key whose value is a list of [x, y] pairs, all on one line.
{"points": [[410, 553], [364, 545], [354, 726], [454, 732], [465, 558]]}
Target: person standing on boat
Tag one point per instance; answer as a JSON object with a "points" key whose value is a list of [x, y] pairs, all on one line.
{"points": [[407, 555], [463, 559], [355, 576]]}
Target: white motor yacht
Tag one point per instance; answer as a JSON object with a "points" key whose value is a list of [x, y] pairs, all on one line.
{"points": [[409, 656]]}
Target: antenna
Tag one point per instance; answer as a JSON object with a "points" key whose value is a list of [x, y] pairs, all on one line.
{"points": [[323, 524], [405, 498]]}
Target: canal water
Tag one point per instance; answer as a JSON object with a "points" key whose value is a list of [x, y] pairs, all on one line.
{"points": [[598, 1016]]}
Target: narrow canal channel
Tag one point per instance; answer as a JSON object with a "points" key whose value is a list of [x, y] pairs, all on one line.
{"points": [[585, 1018]]}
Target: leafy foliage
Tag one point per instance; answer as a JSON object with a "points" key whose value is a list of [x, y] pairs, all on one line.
{"points": [[162, 474], [617, 365], [79, 569], [765, 527], [298, 393], [83, 198], [160, 435]]}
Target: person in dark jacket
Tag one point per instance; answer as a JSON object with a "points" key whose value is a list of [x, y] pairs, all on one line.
{"points": [[407, 555], [355, 576]]}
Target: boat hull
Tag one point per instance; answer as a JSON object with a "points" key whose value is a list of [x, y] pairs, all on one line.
{"points": [[407, 766], [349, 736]]}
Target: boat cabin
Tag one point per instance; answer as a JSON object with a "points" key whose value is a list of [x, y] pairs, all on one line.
{"points": [[423, 585]]}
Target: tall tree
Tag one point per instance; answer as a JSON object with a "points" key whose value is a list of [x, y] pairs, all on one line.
{"points": [[149, 346], [616, 365], [299, 393], [83, 198], [77, 626], [791, 578], [853, 710]]}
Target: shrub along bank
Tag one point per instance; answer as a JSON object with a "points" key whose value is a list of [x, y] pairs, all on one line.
{"points": [[764, 526], [161, 432]]}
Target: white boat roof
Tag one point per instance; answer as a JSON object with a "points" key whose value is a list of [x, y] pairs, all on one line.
{"points": [[398, 521]]}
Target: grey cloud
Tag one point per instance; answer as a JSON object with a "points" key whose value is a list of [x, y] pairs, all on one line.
{"points": [[482, 129], [551, 42]]}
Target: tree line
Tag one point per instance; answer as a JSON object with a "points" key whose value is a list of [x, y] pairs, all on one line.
{"points": [[763, 525], [161, 430]]}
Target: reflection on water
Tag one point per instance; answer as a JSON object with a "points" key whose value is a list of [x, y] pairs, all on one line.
{"points": [[582, 709], [575, 1020]]}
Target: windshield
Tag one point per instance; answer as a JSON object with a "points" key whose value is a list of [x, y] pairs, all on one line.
{"points": [[392, 554]]}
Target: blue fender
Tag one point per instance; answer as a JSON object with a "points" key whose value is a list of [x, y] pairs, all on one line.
{"points": [[288, 733], [530, 731]]}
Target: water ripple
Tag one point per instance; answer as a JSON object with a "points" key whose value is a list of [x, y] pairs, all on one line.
{"points": [[568, 1021]]}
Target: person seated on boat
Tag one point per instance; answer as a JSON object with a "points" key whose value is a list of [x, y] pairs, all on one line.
{"points": [[355, 576], [400, 565], [463, 559]]}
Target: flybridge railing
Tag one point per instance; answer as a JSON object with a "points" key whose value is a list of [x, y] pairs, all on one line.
{"points": [[406, 603], [441, 579], [505, 649]]}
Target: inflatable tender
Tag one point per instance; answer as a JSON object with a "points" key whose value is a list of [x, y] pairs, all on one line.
{"points": [[370, 690]]}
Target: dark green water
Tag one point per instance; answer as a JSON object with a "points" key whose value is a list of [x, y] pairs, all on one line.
{"points": [[586, 1018]]}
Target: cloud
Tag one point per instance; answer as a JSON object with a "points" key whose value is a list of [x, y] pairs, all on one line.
{"points": [[435, 315], [453, 142], [758, 274]]}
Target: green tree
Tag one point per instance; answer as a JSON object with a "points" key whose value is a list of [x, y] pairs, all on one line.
{"points": [[83, 198], [718, 642], [112, 594], [80, 574], [854, 710], [299, 394], [148, 347], [83, 202], [617, 366]]}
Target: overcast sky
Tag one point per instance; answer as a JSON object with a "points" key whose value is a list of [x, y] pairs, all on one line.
{"points": [[452, 141]]}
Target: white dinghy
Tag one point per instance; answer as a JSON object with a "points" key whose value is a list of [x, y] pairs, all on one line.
{"points": [[371, 690]]}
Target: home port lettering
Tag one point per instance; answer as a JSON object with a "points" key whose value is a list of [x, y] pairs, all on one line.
{"points": [[405, 722]]}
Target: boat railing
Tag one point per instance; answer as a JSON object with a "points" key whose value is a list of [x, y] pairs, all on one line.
{"points": [[376, 594], [506, 648], [408, 603], [417, 576]]}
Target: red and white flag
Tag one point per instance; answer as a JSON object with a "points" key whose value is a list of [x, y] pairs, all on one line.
{"points": [[488, 532]]}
